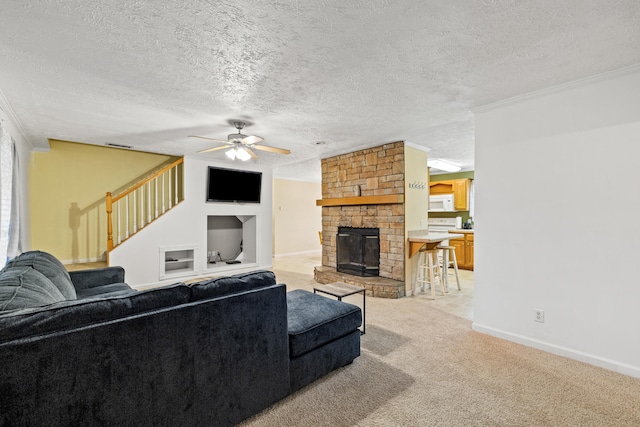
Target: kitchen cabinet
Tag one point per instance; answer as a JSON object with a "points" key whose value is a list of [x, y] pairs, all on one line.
{"points": [[458, 244], [458, 187], [461, 194], [464, 250], [468, 251]]}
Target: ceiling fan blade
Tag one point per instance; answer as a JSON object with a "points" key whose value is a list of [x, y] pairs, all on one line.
{"points": [[251, 153], [251, 139], [207, 150], [210, 139], [272, 149]]}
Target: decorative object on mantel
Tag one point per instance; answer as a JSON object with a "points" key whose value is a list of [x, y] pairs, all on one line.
{"points": [[356, 190]]}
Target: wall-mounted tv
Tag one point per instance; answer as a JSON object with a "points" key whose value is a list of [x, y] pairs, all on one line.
{"points": [[236, 186]]}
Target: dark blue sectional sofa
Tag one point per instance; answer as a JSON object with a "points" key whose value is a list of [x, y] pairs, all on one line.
{"points": [[212, 353]]}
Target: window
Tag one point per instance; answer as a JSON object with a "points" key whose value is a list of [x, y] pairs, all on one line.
{"points": [[6, 176]]}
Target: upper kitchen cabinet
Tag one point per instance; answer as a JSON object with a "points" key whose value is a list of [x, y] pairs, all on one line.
{"points": [[458, 187], [461, 194]]}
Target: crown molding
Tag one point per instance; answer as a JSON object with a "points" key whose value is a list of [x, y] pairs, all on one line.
{"points": [[621, 72], [417, 147], [5, 107]]}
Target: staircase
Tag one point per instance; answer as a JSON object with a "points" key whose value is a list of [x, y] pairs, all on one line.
{"points": [[139, 205]]}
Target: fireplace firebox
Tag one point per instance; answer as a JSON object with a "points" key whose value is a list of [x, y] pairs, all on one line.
{"points": [[358, 251]]}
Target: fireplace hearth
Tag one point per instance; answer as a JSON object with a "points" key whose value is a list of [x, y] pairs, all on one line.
{"points": [[358, 251]]}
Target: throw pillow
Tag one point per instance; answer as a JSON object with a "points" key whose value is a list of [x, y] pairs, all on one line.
{"points": [[23, 287], [50, 267]]}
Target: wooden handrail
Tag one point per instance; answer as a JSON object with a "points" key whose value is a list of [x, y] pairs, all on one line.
{"points": [[111, 200], [147, 179]]}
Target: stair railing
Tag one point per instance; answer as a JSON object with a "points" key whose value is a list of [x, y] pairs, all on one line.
{"points": [[143, 202]]}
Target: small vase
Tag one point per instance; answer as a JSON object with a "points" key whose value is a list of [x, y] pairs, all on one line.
{"points": [[356, 190]]}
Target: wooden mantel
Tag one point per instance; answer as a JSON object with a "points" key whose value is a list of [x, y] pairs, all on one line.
{"points": [[362, 200]]}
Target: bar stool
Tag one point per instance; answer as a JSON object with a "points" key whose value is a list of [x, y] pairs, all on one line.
{"points": [[429, 270], [449, 256]]}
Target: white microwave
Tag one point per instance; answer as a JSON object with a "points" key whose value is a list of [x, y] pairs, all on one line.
{"points": [[441, 203]]}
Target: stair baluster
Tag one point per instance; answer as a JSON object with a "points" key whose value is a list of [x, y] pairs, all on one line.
{"points": [[160, 198]]}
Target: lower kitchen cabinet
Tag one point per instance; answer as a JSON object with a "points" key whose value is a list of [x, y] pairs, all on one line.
{"points": [[468, 250], [464, 250]]}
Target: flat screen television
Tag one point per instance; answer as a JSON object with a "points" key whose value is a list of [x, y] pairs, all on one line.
{"points": [[235, 186]]}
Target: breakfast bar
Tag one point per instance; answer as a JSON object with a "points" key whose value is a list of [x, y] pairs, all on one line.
{"points": [[431, 240], [422, 238]]}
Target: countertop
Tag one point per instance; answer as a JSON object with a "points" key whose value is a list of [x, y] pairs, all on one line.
{"points": [[461, 230], [420, 238], [434, 237]]}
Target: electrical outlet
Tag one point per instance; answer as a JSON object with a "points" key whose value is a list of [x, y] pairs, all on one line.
{"points": [[538, 315]]}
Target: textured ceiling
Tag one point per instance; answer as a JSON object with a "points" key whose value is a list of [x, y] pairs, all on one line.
{"points": [[350, 73]]}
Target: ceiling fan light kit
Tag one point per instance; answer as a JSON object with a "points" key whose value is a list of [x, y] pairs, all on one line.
{"points": [[240, 146], [231, 154], [239, 153]]}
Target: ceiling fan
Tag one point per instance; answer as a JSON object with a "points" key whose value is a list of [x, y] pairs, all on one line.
{"points": [[240, 146]]}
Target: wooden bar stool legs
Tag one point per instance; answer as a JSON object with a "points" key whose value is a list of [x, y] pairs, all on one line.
{"points": [[449, 256], [429, 271]]}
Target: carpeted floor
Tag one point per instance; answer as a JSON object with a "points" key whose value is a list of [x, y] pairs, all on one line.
{"points": [[423, 367]]}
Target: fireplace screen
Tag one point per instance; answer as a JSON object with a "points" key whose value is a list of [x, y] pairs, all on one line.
{"points": [[358, 251]]}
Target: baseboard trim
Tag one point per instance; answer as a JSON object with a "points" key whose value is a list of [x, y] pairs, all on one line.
{"points": [[82, 260], [612, 365], [315, 251]]}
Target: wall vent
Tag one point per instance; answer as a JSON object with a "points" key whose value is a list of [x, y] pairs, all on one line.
{"points": [[111, 144]]}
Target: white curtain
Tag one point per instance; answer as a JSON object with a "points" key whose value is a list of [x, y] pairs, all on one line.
{"points": [[9, 226], [14, 248]]}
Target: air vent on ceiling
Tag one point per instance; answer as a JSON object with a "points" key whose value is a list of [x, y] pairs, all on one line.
{"points": [[111, 144]]}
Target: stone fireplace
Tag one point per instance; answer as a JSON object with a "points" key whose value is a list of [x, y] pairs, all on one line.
{"points": [[358, 251], [365, 189]]}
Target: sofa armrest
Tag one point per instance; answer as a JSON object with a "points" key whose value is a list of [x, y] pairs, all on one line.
{"points": [[85, 279]]}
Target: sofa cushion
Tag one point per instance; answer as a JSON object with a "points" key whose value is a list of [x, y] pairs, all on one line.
{"points": [[232, 284], [96, 277], [113, 289], [80, 313], [22, 287], [49, 266], [315, 320]]}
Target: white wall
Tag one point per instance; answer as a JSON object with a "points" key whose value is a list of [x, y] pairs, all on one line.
{"points": [[186, 224], [557, 198], [416, 205], [296, 218]]}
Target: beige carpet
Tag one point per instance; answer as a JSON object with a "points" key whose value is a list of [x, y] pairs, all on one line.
{"points": [[423, 367]]}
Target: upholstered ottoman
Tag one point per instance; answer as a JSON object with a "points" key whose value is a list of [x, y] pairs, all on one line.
{"points": [[323, 335]]}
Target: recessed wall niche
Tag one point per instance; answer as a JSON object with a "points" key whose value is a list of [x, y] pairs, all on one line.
{"points": [[230, 238]]}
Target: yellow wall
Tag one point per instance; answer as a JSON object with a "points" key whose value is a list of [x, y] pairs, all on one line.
{"points": [[296, 218], [416, 203], [67, 190]]}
